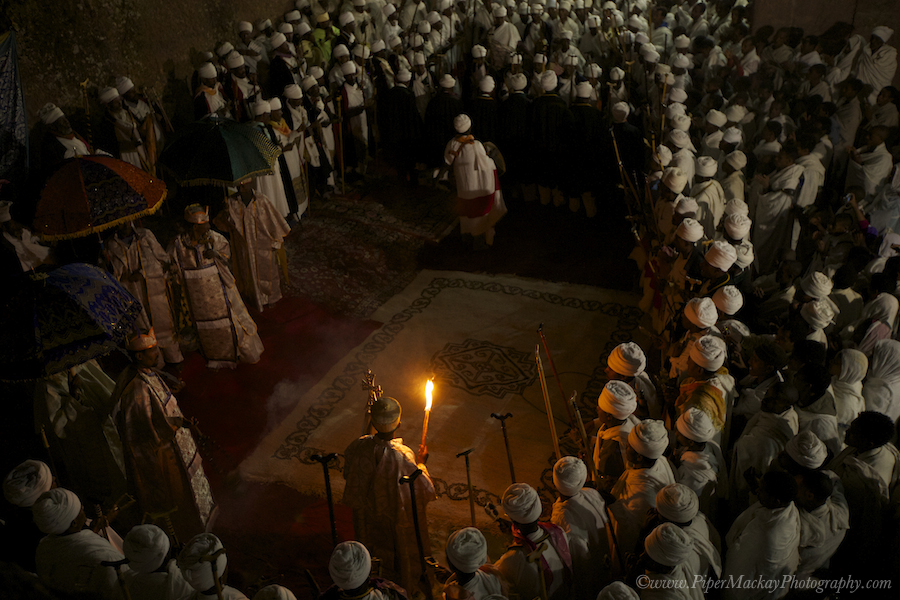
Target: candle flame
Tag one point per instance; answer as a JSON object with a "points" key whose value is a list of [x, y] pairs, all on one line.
{"points": [[429, 386]]}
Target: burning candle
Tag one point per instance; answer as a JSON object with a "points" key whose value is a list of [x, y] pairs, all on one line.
{"points": [[429, 387]]}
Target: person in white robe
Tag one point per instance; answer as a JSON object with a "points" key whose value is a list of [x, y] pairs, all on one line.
{"points": [[270, 186], [349, 567], [504, 39], [648, 472], [709, 195], [877, 61], [824, 519], [225, 330], [615, 418], [373, 466], [203, 574], [683, 158], [69, 560], [154, 575], [870, 165], [771, 199], [765, 436], [884, 208], [138, 261], [678, 504], [257, 236], [848, 118], [627, 362], [884, 112], [848, 369], [291, 143], [666, 563], [815, 408], [845, 60], [126, 131], [700, 463], [561, 555], [734, 184], [581, 512], [29, 250], [467, 558], [764, 541], [881, 389]]}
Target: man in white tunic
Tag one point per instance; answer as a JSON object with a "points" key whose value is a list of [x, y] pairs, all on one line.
{"points": [[203, 573], [824, 519], [69, 558], [877, 61], [678, 504], [154, 575], [615, 418], [700, 463], [771, 199], [504, 38], [349, 567], [666, 563], [467, 558], [870, 165]]}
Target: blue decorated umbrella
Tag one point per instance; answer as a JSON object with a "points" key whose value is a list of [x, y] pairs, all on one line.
{"points": [[57, 320], [222, 152]]}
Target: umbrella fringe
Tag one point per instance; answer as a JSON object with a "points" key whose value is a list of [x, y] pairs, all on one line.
{"points": [[86, 232], [223, 183]]}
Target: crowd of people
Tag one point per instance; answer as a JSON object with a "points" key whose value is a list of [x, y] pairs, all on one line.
{"points": [[752, 438]]}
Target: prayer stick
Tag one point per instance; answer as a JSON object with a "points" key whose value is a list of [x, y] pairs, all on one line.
{"points": [[502, 419], [466, 454], [540, 369]]}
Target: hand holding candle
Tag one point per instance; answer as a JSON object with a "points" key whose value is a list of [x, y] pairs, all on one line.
{"points": [[423, 452]]}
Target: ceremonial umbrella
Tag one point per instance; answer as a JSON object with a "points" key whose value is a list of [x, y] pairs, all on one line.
{"points": [[222, 152], [92, 193], [57, 320]]}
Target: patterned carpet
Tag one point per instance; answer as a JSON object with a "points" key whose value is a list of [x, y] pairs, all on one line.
{"points": [[475, 334], [352, 253]]}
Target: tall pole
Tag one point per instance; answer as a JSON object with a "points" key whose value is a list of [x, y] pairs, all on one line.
{"points": [[469, 479], [411, 480], [324, 460], [502, 419]]}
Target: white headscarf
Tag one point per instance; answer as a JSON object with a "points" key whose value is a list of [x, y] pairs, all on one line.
{"points": [[199, 573], [54, 511], [522, 503], [350, 565], [145, 547], [569, 475], [27, 482], [882, 308], [467, 549], [882, 387], [649, 438], [847, 387]]}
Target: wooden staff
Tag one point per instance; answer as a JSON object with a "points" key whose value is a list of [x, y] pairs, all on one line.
{"points": [[87, 111], [540, 369], [502, 419], [324, 460], [588, 458], [466, 454], [411, 480], [555, 374], [212, 559], [535, 558], [117, 565]]}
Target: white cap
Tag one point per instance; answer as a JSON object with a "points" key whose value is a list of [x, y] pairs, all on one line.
{"points": [[478, 51], [108, 94], [234, 60], [447, 81], [261, 107], [404, 75], [224, 50], [462, 123], [245, 26], [346, 18], [303, 28], [293, 91], [486, 85], [207, 71], [123, 84], [378, 46], [424, 27], [549, 81], [286, 28], [340, 50], [883, 33], [275, 103], [419, 58], [292, 15]]}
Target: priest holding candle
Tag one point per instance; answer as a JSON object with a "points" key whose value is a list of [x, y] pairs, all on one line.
{"points": [[382, 509]]}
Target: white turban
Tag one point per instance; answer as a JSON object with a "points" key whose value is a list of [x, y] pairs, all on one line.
{"points": [[677, 95], [721, 255], [447, 81], [627, 359], [617, 399], [486, 85], [736, 206], [681, 139], [618, 591], [292, 15], [308, 82], [709, 352], [522, 503], [690, 230], [350, 565], [54, 510], [663, 156], [682, 41], [123, 84], [807, 450], [225, 49], [199, 573], [570, 60], [616, 74], [584, 89], [286, 29], [348, 68], [674, 179], [261, 107], [515, 59], [549, 81], [518, 82], [403, 75], [234, 60], [677, 502], [478, 51], [707, 166], [735, 113], [635, 21], [701, 312], [649, 53], [462, 123], [737, 226], [317, 72], [695, 424], [292, 91], [388, 10], [424, 28], [245, 26], [883, 33], [274, 592], [27, 482], [669, 545], [733, 135], [108, 94], [207, 71], [620, 111], [716, 118], [818, 314], [728, 299], [817, 285], [540, 59], [641, 38], [593, 70], [378, 46], [649, 438], [681, 123], [567, 34], [434, 17], [569, 475], [304, 28], [467, 549], [686, 206], [145, 547], [340, 50], [744, 255], [277, 40], [346, 18], [736, 159], [499, 11], [683, 62], [275, 103], [674, 109]]}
